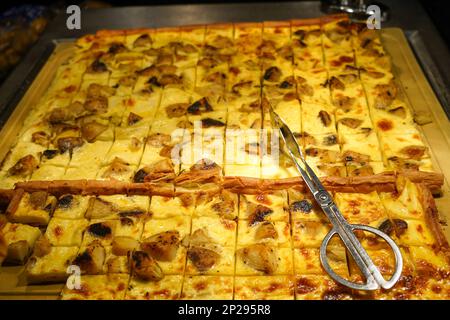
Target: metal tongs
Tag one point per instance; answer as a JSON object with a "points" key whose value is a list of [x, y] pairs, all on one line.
{"points": [[345, 230]]}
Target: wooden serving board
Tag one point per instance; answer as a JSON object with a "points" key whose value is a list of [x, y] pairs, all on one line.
{"points": [[414, 84]]}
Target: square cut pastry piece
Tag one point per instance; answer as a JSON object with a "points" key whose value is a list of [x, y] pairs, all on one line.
{"points": [[264, 206], [34, 208], [165, 207], [320, 287], [361, 147], [263, 259], [307, 261], [303, 206], [406, 205], [169, 288], [264, 288], [403, 146], [429, 261], [117, 206], [99, 230], [221, 231], [19, 241], [362, 208], [276, 232], [50, 264], [65, 232], [70, 206], [207, 288], [162, 239], [98, 287], [223, 205]]}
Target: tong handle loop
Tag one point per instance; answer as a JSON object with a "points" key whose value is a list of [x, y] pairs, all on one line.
{"points": [[372, 282]]}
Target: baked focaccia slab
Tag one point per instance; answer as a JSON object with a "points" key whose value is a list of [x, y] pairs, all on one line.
{"points": [[135, 105], [210, 237]]}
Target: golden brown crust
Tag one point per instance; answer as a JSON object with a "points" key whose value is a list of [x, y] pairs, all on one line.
{"points": [[245, 25], [140, 31], [219, 25], [383, 182], [305, 22], [14, 203], [432, 217], [333, 17], [192, 27], [276, 24], [109, 33], [168, 29]]}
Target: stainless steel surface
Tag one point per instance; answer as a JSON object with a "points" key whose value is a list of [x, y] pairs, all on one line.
{"points": [[374, 278], [430, 69], [406, 15], [357, 9]]}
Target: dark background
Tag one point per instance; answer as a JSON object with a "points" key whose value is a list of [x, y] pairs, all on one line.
{"points": [[437, 9]]}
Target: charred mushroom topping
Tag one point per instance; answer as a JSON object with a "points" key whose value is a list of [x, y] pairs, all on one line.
{"points": [[98, 90], [100, 229], [176, 110], [400, 226], [413, 152], [387, 227], [145, 267], [40, 138], [305, 138], [162, 170], [117, 166], [325, 118], [59, 115], [167, 79], [287, 83], [208, 123], [69, 143], [323, 154], [241, 86], [158, 139], [135, 144], [162, 246], [399, 112], [100, 209], [203, 258], [143, 40], [151, 71], [257, 213], [374, 74], [164, 59], [272, 74], [261, 257], [133, 118], [304, 206], [386, 94], [122, 245], [65, 201], [266, 230], [200, 106], [216, 77], [330, 140], [344, 102], [305, 89], [24, 166], [117, 48], [225, 208], [97, 67], [91, 260], [405, 163], [42, 247], [139, 176], [96, 104], [350, 122], [38, 199], [91, 130], [348, 78], [127, 81], [207, 62], [352, 156], [336, 84], [359, 170], [50, 154]]}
